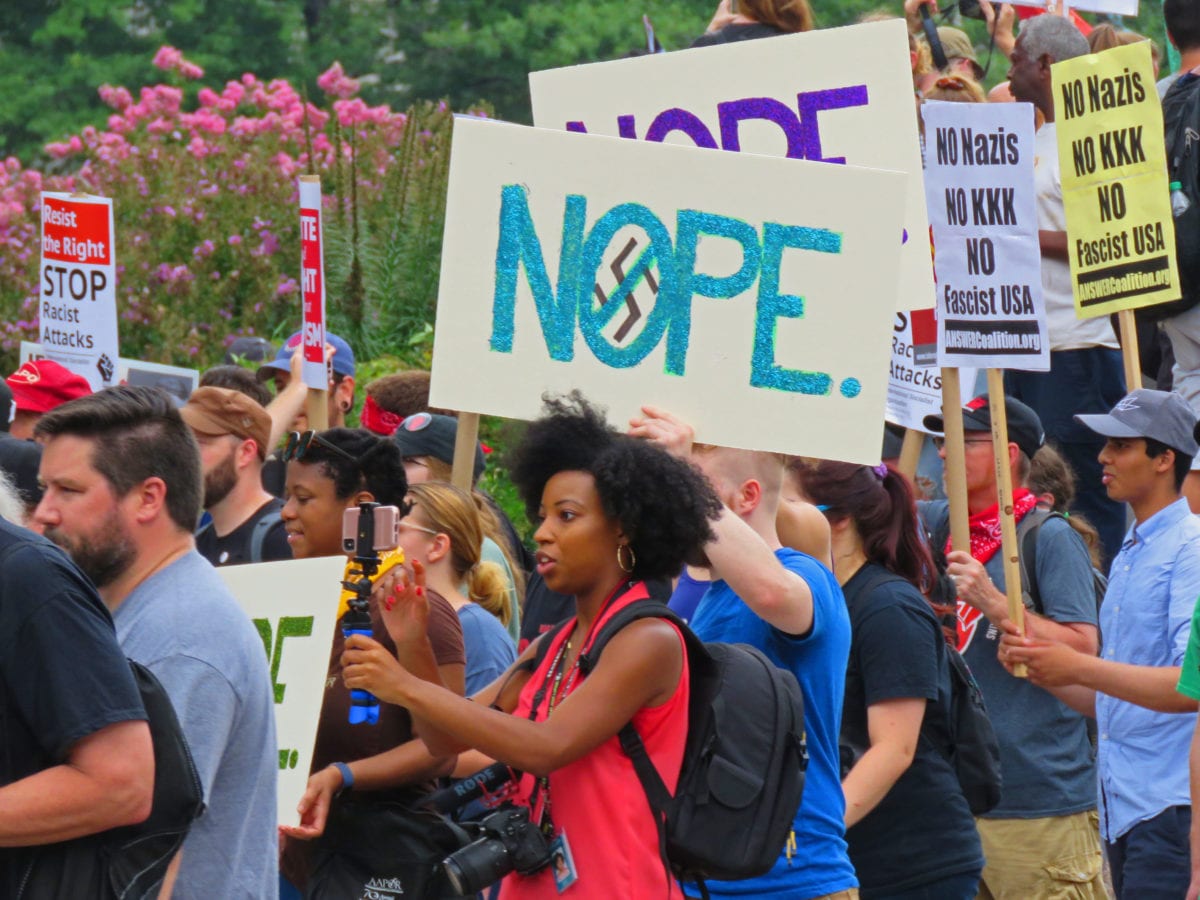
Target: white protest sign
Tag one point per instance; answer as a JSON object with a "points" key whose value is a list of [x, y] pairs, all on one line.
{"points": [[77, 309], [293, 604], [312, 285], [979, 180], [749, 295], [835, 95], [1112, 7], [915, 382], [175, 380]]}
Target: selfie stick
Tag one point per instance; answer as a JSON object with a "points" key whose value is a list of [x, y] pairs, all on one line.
{"points": [[364, 706]]}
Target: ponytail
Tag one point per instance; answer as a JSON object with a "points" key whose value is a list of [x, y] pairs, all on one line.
{"points": [[487, 586]]}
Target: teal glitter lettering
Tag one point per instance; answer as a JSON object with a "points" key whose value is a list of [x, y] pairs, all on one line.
{"points": [[592, 319], [691, 224], [772, 305], [518, 243]]}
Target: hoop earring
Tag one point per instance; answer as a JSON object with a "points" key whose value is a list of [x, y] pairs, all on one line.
{"points": [[345, 405], [627, 569]]}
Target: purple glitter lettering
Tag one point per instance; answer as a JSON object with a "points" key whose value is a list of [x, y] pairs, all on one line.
{"points": [[733, 113], [812, 102]]}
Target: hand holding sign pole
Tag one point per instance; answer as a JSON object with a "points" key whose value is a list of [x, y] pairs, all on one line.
{"points": [[315, 370], [991, 312], [1004, 490]]}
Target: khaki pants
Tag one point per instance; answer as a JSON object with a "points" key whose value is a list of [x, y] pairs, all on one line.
{"points": [[1056, 858]]}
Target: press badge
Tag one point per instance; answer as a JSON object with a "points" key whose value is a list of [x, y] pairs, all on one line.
{"points": [[562, 864]]}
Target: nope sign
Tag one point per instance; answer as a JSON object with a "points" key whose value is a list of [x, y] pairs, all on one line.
{"points": [[749, 295], [839, 96]]}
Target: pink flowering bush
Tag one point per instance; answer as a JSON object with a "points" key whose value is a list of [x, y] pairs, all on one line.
{"points": [[206, 214]]}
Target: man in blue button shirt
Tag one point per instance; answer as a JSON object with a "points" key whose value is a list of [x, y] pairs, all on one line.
{"points": [[1144, 725]]}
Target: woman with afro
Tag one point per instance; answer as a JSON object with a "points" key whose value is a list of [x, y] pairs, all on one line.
{"points": [[614, 512]]}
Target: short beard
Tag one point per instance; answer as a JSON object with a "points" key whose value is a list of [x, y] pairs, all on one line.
{"points": [[105, 560], [219, 482]]}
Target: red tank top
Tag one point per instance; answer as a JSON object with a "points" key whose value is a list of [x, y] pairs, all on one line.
{"points": [[599, 802]]}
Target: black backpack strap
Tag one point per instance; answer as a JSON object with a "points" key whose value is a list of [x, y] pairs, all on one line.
{"points": [[258, 536], [657, 795], [1028, 530], [882, 576]]}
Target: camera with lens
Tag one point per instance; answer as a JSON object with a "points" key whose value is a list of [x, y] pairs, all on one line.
{"points": [[970, 9], [508, 842]]}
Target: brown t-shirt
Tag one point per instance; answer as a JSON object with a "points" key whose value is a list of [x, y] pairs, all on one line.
{"points": [[339, 741]]}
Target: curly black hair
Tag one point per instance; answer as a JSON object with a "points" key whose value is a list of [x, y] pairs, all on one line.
{"points": [[380, 468], [664, 505]]}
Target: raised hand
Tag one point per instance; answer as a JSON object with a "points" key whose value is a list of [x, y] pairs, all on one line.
{"points": [[403, 603]]}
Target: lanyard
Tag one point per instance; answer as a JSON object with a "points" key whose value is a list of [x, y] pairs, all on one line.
{"points": [[553, 682]]}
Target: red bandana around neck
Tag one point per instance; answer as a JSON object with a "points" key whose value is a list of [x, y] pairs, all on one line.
{"points": [[985, 525]]}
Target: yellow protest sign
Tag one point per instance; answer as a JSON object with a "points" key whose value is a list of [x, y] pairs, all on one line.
{"points": [[1120, 233]]}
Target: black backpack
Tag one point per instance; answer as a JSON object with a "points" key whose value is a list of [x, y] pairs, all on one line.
{"points": [[1027, 535], [743, 765], [127, 863], [974, 751], [255, 540], [1181, 118]]}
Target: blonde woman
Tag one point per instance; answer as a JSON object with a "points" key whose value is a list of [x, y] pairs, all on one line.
{"points": [[443, 532]]}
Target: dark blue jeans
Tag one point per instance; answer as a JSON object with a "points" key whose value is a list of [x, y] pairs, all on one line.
{"points": [[956, 887], [1079, 381], [1152, 861]]}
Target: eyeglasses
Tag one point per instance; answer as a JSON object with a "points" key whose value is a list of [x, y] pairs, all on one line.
{"points": [[299, 443], [416, 422], [419, 528], [940, 442]]}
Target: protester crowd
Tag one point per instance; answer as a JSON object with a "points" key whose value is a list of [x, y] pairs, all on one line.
{"points": [[116, 506]]}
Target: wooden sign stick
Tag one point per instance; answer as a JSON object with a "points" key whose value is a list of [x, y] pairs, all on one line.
{"points": [[465, 440], [955, 464], [1008, 522], [1130, 353], [910, 453], [316, 408]]}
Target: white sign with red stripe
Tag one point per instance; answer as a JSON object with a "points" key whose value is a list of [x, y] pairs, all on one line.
{"points": [[312, 286], [77, 306]]}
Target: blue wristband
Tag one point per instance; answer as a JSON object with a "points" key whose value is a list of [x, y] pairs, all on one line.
{"points": [[347, 776]]}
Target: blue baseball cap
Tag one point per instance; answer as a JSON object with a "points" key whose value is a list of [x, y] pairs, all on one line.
{"points": [[343, 359]]}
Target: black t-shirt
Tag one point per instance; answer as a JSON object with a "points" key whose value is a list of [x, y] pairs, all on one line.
{"points": [[234, 549], [274, 475], [20, 460], [733, 33], [62, 674], [922, 831]]}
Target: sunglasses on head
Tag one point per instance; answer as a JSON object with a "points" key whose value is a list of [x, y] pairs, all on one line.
{"points": [[300, 442]]}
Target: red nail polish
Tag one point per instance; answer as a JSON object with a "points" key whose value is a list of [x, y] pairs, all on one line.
{"points": [[420, 592]]}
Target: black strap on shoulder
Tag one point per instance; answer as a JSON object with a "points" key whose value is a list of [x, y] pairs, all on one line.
{"points": [[657, 794], [1028, 530], [881, 576], [259, 535]]}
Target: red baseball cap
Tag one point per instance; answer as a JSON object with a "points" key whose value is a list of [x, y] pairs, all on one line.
{"points": [[41, 385]]}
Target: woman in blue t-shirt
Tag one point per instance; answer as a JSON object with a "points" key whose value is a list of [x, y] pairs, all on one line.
{"points": [[442, 531], [910, 831]]}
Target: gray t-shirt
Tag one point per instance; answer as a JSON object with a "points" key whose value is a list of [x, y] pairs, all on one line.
{"points": [[1046, 759], [185, 626]]}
